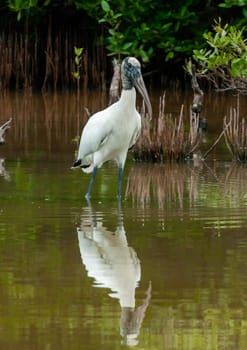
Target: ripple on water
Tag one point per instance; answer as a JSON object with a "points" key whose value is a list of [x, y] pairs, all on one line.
{"points": [[220, 218]]}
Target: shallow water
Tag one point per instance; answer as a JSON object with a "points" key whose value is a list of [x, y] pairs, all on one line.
{"points": [[163, 269]]}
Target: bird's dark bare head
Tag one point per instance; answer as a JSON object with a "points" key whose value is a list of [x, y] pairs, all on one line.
{"points": [[131, 70], [132, 76]]}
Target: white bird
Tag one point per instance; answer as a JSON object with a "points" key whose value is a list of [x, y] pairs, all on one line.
{"points": [[110, 260], [113, 264], [109, 133]]}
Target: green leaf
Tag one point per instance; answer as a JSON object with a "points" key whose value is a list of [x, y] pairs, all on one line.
{"points": [[105, 6], [102, 20], [77, 60], [19, 16], [76, 75], [78, 51], [169, 56], [126, 46]]}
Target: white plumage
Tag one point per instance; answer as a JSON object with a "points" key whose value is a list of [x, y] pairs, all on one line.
{"points": [[113, 264], [109, 133], [110, 261]]}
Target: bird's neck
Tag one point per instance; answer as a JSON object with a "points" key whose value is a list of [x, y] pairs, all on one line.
{"points": [[128, 98], [126, 83]]}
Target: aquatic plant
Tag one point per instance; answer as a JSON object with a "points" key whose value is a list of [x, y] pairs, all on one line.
{"points": [[236, 135], [166, 138], [78, 63]]}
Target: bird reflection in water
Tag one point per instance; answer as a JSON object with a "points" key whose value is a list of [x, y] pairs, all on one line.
{"points": [[114, 265]]}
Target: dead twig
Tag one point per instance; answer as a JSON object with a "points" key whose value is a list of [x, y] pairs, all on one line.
{"points": [[3, 129], [198, 94], [115, 83], [217, 140]]}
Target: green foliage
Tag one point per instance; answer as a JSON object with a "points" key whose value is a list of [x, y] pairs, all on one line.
{"points": [[148, 29], [121, 39], [109, 17], [78, 57], [226, 51], [26, 6], [140, 34], [231, 3], [239, 20], [145, 28]]}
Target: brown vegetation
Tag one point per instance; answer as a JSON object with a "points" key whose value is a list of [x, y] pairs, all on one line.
{"points": [[170, 184], [45, 59], [236, 135], [166, 138]]}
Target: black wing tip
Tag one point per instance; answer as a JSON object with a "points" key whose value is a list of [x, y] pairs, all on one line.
{"points": [[77, 163]]}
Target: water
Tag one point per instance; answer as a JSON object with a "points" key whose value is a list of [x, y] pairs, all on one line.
{"points": [[165, 269]]}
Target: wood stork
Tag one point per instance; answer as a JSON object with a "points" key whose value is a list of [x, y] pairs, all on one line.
{"points": [[109, 133], [114, 265]]}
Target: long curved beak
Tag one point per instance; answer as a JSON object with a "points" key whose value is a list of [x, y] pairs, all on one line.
{"points": [[140, 85]]}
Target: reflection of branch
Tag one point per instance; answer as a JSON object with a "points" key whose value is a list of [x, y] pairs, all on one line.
{"points": [[131, 320], [236, 190], [167, 183]]}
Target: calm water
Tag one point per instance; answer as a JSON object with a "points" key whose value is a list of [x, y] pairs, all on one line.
{"points": [[165, 269]]}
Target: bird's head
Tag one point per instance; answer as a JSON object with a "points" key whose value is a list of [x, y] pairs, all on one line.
{"points": [[132, 76]]}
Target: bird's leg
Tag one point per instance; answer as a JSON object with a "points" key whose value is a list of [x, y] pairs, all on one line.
{"points": [[88, 194], [120, 180]]}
